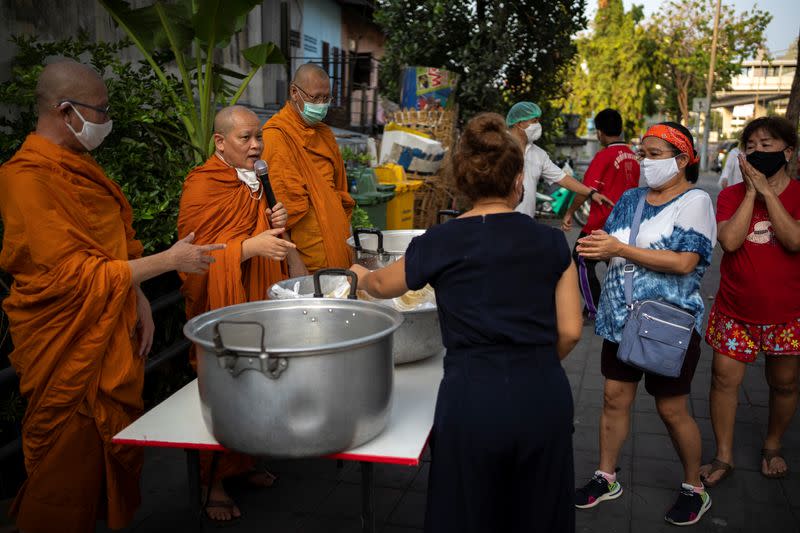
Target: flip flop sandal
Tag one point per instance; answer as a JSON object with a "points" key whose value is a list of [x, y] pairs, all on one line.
{"points": [[768, 455], [717, 466], [220, 504]]}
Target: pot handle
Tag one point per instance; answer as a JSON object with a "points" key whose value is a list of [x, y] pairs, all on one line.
{"points": [[446, 213], [336, 272], [357, 232], [269, 365]]}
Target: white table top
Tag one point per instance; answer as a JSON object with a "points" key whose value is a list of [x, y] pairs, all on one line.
{"points": [[178, 423]]}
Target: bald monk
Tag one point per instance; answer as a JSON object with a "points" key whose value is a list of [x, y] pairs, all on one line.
{"points": [[81, 325], [307, 172], [225, 201]]}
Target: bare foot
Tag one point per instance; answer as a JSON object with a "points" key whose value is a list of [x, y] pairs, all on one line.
{"points": [[220, 507], [773, 465], [261, 479]]}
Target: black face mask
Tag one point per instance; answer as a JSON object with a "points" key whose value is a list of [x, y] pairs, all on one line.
{"points": [[768, 163]]}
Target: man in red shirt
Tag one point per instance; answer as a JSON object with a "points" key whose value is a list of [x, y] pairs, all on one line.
{"points": [[613, 171]]}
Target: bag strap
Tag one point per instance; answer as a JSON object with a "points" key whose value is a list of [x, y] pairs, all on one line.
{"points": [[630, 267]]}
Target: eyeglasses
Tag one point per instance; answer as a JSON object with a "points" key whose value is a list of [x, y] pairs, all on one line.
{"points": [[314, 99], [104, 110]]}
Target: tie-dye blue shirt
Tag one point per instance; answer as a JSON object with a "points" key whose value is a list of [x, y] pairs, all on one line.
{"points": [[684, 224]]}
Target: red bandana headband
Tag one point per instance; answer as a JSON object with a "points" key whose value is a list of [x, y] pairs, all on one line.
{"points": [[675, 137]]}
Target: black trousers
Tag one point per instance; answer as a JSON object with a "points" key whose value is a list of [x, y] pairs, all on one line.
{"points": [[502, 446]]}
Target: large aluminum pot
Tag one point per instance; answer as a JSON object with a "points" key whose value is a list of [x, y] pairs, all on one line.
{"points": [[295, 378], [376, 249], [418, 338]]}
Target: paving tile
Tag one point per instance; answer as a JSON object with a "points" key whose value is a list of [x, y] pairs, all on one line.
{"points": [[326, 524], [650, 503], [653, 446], [644, 404], [287, 495], [319, 468], [593, 382], [410, 512], [392, 476], [587, 416], [590, 398], [791, 486], [399, 529], [420, 483], [648, 422], [345, 500], [657, 473]]}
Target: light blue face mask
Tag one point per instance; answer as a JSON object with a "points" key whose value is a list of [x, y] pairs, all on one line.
{"points": [[314, 113]]}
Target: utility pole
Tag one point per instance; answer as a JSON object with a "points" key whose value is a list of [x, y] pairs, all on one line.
{"points": [[709, 89]]}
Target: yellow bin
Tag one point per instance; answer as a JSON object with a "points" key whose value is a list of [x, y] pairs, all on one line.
{"points": [[400, 210]]}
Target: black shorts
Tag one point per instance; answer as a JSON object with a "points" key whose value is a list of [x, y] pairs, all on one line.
{"points": [[613, 368]]}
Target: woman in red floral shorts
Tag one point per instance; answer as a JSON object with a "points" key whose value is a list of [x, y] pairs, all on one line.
{"points": [[757, 308]]}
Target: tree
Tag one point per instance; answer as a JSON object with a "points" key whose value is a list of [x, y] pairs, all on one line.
{"points": [[503, 51], [683, 31], [200, 27], [613, 67]]}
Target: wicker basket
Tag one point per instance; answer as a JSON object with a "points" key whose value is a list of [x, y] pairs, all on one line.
{"points": [[436, 193]]}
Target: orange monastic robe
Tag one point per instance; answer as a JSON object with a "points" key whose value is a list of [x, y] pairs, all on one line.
{"points": [[72, 311], [307, 174], [220, 208]]}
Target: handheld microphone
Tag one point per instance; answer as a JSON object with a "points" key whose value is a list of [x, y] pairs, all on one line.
{"points": [[263, 174]]}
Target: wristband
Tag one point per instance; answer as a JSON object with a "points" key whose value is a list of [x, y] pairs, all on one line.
{"points": [[591, 193]]}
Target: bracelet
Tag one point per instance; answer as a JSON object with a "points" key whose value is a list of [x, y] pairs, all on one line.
{"points": [[591, 193]]}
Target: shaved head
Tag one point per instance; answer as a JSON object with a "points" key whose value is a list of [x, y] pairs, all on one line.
{"points": [[237, 136], [67, 80], [228, 117], [63, 88], [309, 73]]}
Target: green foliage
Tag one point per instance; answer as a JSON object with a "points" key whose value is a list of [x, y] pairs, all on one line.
{"points": [[353, 158], [683, 31], [172, 30], [360, 218], [613, 68], [146, 152], [501, 51]]}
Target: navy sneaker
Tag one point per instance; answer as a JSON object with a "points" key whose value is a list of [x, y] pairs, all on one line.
{"points": [[689, 508], [596, 491]]}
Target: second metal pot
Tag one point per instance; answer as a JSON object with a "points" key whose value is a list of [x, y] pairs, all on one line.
{"points": [[376, 249], [418, 338]]}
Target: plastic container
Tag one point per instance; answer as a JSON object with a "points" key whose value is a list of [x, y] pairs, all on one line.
{"points": [[400, 210], [372, 196]]}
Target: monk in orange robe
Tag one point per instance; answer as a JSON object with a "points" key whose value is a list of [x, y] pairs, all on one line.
{"points": [[307, 172], [224, 199], [81, 325]]}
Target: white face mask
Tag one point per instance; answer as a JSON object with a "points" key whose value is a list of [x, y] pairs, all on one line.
{"points": [[92, 134], [249, 178], [533, 132], [657, 172]]}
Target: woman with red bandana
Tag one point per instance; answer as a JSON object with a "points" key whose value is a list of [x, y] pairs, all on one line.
{"points": [[757, 307], [668, 259]]}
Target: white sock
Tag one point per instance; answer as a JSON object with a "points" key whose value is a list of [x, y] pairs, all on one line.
{"points": [[611, 478]]}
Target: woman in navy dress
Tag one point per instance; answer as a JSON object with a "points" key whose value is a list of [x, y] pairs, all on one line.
{"points": [[507, 294]]}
